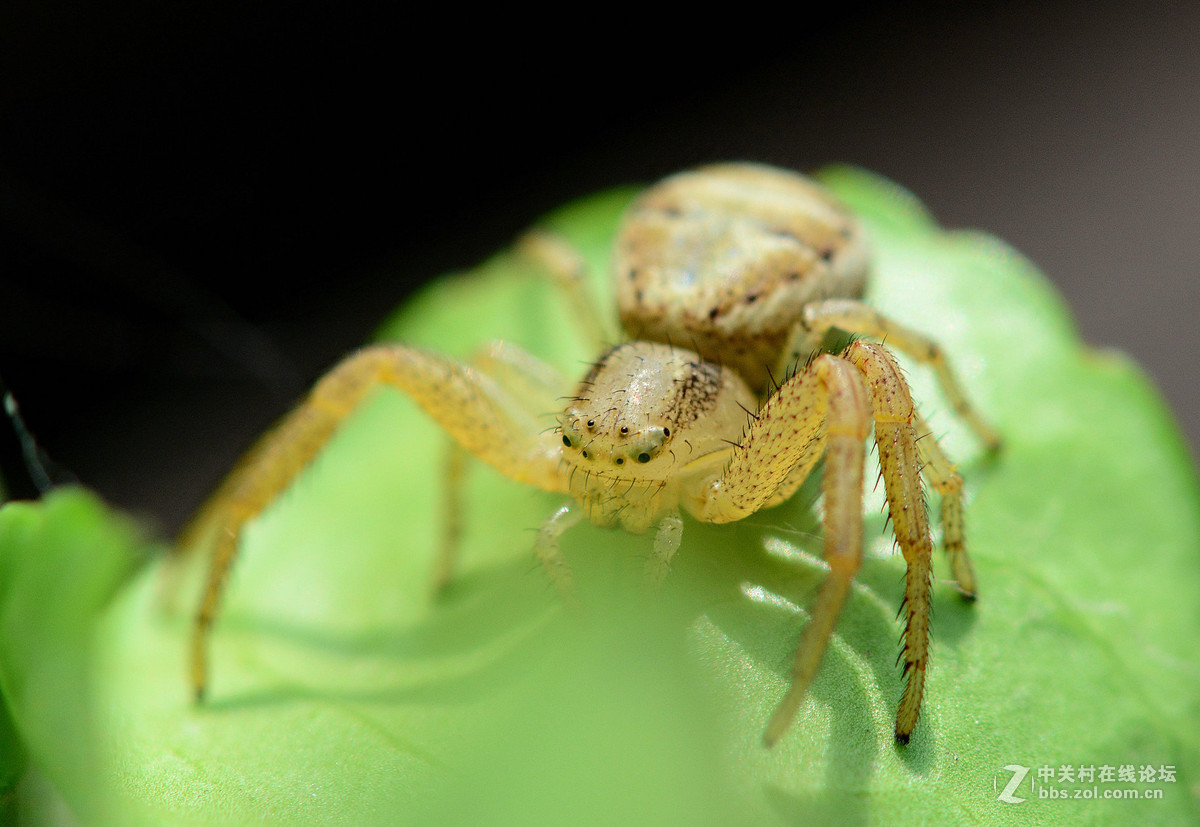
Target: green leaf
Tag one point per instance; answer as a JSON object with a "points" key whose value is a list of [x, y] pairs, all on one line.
{"points": [[342, 692], [12, 765], [61, 562], [12, 755]]}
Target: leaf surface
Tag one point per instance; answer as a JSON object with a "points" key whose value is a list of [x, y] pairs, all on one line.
{"points": [[343, 692]]}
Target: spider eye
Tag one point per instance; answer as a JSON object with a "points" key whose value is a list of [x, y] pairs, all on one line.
{"points": [[620, 460], [666, 431], [567, 441], [624, 429], [643, 457], [585, 454], [591, 423]]}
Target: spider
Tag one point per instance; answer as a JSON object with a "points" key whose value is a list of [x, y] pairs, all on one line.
{"points": [[752, 267]]}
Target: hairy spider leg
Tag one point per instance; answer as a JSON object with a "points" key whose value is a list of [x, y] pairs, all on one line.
{"points": [[837, 399], [857, 318], [470, 405], [530, 383], [529, 380], [568, 270], [900, 466], [939, 471]]}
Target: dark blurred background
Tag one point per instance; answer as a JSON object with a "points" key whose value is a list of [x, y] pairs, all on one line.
{"points": [[203, 204]]}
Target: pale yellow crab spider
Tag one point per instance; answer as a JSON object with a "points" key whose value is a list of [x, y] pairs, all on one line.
{"points": [[751, 267]]}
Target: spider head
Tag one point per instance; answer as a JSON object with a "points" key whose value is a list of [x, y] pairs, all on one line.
{"points": [[606, 445], [627, 415]]}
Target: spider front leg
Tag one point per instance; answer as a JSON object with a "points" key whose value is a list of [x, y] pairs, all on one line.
{"points": [[566, 268], [529, 383], [835, 399], [900, 467], [857, 318], [826, 403], [474, 409], [939, 470]]}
